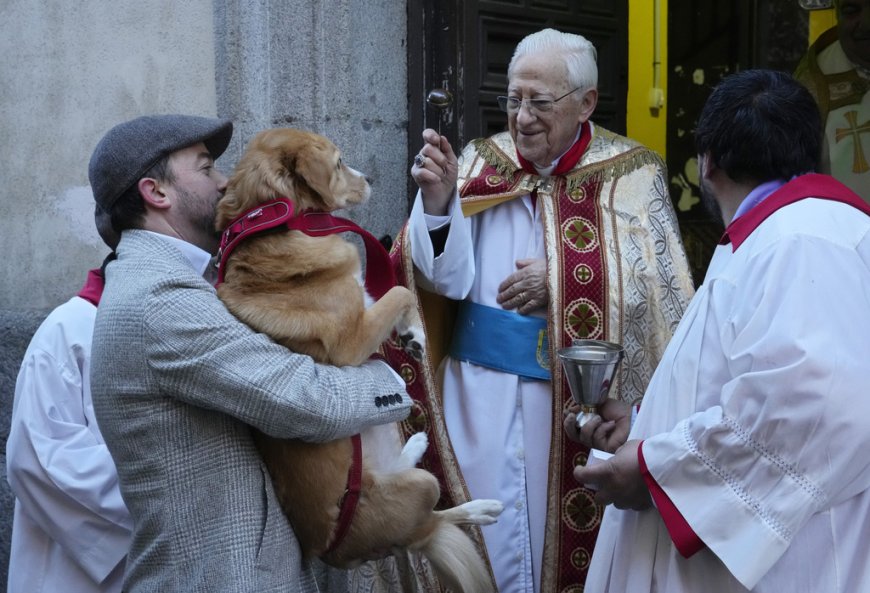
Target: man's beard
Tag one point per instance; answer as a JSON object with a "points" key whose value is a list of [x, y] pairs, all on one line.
{"points": [[708, 201], [199, 215]]}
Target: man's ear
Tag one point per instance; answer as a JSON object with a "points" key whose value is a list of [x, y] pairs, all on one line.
{"points": [[588, 103], [153, 193], [705, 166]]}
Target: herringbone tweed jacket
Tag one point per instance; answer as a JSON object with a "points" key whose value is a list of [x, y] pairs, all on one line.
{"points": [[177, 381]]}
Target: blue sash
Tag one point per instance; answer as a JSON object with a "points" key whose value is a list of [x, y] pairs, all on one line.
{"points": [[501, 340]]}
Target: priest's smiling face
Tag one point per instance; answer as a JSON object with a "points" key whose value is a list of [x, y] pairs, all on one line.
{"points": [[853, 25], [542, 135]]}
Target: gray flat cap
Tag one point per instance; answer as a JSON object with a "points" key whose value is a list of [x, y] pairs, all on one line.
{"points": [[129, 149]]}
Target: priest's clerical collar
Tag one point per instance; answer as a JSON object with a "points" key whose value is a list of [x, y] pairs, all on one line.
{"points": [[545, 172]]}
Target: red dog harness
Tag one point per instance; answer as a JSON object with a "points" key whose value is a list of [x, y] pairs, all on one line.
{"points": [[314, 223], [280, 214]]}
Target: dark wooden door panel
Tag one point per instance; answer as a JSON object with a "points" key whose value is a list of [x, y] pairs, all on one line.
{"points": [[493, 30]]}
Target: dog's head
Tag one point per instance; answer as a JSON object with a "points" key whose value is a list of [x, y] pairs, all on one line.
{"points": [[302, 166]]}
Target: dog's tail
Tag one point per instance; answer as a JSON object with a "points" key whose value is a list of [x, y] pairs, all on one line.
{"points": [[456, 560]]}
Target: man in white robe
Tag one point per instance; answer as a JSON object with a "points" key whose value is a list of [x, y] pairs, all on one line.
{"points": [[746, 468], [70, 529]]}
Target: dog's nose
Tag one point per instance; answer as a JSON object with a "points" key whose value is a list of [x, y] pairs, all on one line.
{"points": [[368, 179]]}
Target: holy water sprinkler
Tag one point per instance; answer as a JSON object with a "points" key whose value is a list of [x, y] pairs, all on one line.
{"points": [[590, 367], [440, 99]]}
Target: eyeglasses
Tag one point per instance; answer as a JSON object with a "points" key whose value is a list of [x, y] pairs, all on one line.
{"points": [[513, 104]]}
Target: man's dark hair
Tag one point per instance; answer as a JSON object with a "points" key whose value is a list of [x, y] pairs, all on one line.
{"points": [[760, 125], [128, 211]]}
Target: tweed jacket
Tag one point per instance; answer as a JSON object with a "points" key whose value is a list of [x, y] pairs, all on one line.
{"points": [[177, 381]]}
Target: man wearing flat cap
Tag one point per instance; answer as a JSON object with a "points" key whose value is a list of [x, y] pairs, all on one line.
{"points": [[177, 381]]}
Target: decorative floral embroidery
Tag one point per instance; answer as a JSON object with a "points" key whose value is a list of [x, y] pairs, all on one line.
{"points": [[579, 511], [417, 420], [578, 194], [580, 234], [408, 373], [583, 274], [580, 558], [583, 320]]}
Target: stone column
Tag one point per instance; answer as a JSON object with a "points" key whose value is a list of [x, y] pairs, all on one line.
{"points": [[336, 68]]}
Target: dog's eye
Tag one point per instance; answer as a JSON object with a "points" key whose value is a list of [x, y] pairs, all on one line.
{"points": [[338, 164]]}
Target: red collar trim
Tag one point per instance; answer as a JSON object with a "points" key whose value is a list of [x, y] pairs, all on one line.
{"points": [[93, 288], [351, 495], [280, 214], [570, 159], [811, 185]]}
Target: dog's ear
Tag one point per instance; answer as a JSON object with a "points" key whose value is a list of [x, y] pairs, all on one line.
{"points": [[275, 161], [276, 173], [315, 168], [263, 173]]}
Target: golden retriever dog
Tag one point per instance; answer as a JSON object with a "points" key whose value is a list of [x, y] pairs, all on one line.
{"points": [[306, 293]]}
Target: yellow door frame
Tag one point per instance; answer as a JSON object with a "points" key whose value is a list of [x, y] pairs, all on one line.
{"points": [[821, 21], [646, 110], [646, 103]]}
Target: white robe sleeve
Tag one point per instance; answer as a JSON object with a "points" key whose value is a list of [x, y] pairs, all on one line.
{"points": [[63, 475], [451, 274], [787, 343]]}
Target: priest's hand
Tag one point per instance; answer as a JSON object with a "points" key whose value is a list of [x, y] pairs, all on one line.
{"points": [[607, 431], [617, 480], [526, 289], [435, 171]]}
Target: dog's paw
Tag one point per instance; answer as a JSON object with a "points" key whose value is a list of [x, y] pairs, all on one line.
{"points": [[413, 341], [483, 511], [414, 449]]}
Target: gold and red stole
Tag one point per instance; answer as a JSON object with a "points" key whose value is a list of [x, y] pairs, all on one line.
{"points": [[571, 210]]}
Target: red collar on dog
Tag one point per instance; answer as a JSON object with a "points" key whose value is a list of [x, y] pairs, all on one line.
{"points": [[351, 495], [280, 213]]}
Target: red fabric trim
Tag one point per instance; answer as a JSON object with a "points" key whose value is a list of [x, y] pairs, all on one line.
{"points": [[351, 495], [684, 537], [93, 288], [281, 213], [568, 541], [569, 160], [811, 185]]}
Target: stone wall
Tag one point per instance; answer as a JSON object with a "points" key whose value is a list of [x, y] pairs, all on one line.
{"points": [[69, 72], [337, 68], [16, 327]]}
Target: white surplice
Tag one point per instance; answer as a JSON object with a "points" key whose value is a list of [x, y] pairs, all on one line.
{"points": [[757, 421], [71, 529], [499, 424]]}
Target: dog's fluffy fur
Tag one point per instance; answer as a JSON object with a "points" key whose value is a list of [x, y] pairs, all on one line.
{"points": [[305, 293]]}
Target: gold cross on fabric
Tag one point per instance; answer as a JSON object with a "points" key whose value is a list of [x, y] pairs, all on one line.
{"points": [[859, 162]]}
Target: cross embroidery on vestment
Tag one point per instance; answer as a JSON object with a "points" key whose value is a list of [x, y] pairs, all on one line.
{"points": [[859, 162]]}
